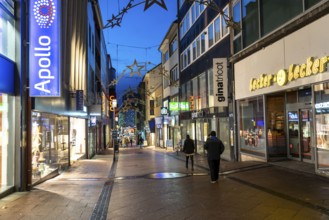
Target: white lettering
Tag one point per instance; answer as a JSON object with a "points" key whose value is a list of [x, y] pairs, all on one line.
{"points": [[41, 86], [44, 63]]}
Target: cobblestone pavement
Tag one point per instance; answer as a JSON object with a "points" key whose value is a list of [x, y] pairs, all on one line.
{"points": [[153, 183]]}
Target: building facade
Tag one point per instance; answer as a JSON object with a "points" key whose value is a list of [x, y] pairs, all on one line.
{"points": [[281, 79], [170, 67], [153, 103], [205, 76]]}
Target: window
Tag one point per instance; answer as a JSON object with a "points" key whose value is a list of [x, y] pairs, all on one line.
{"points": [[173, 46], [165, 56], [276, 13], [210, 88], [252, 134], [237, 44], [210, 35], [217, 29], [250, 24], [89, 33], [191, 16], [181, 2], [195, 94], [224, 25], [203, 43], [174, 76], [194, 50], [310, 3], [188, 51], [203, 90], [198, 47], [193, 13], [7, 31]]}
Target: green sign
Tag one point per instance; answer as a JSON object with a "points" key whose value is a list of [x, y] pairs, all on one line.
{"points": [[176, 106]]}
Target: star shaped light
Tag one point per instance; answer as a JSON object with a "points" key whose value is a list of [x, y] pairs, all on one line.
{"points": [[132, 68], [149, 3]]}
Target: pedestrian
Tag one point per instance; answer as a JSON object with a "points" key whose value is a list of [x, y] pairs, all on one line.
{"points": [[141, 142], [189, 149], [214, 147], [131, 142]]}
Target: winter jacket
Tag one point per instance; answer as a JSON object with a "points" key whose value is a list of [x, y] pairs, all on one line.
{"points": [[188, 147], [214, 148]]}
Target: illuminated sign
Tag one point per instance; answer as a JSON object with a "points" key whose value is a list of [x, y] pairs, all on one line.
{"points": [[322, 105], [44, 48], [93, 121], [176, 106], [283, 76], [113, 103], [292, 116], [220, 81], [164, 111]]}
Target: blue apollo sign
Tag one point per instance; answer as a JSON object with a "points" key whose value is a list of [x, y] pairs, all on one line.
{"points": [[44, 48]]}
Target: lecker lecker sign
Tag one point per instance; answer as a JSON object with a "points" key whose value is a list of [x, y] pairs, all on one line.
{"points": [[220, 81], [295, 72], [44, 48]]}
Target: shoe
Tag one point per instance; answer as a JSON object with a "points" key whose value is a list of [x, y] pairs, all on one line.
{"points": [[213, 181]]}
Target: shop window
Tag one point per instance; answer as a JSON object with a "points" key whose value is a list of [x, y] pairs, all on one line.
{"points": [[49, 144], [7, 161], [77, 135], [252, 134], [276, 126], [321, 93]]}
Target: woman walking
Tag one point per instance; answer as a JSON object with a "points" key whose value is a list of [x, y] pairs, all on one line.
{"points": [[188, 149]]}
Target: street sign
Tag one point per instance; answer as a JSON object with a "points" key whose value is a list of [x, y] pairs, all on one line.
{"points": [[115, 134]]}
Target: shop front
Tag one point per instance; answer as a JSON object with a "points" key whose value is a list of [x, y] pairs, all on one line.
{"points": [[282, 101], [7, 140], [7, 125], [201, 124]]}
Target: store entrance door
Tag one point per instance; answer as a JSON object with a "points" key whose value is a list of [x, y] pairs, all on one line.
{"points": [[300, 134]]}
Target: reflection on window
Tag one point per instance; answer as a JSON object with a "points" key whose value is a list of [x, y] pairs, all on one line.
{"points": [[321, 93], [276, 13], [250, 21], [252, 133]]}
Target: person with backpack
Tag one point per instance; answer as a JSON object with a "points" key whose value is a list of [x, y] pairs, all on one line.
{"points": [[189, 149], [214, 147]]}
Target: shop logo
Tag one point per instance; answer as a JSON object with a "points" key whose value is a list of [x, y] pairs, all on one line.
{"points": [[220, 81], [44, 13], [44, 62], [311, 67]]}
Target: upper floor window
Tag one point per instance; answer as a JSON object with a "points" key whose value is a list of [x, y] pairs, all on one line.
{"points": [[173, 46], [174, 75], [191, 16], [224, 24], [210, 35], [165, 56]]}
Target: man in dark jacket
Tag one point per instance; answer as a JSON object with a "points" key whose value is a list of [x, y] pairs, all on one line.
{"points": [[214, 148], [188, 149]]}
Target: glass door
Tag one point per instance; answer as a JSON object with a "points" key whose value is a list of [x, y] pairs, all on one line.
{"points": [[293, 134], [300, 127], [306, 125]]}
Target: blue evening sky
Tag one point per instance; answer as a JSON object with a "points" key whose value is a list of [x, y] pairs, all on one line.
{"points": [[139, 37]]}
